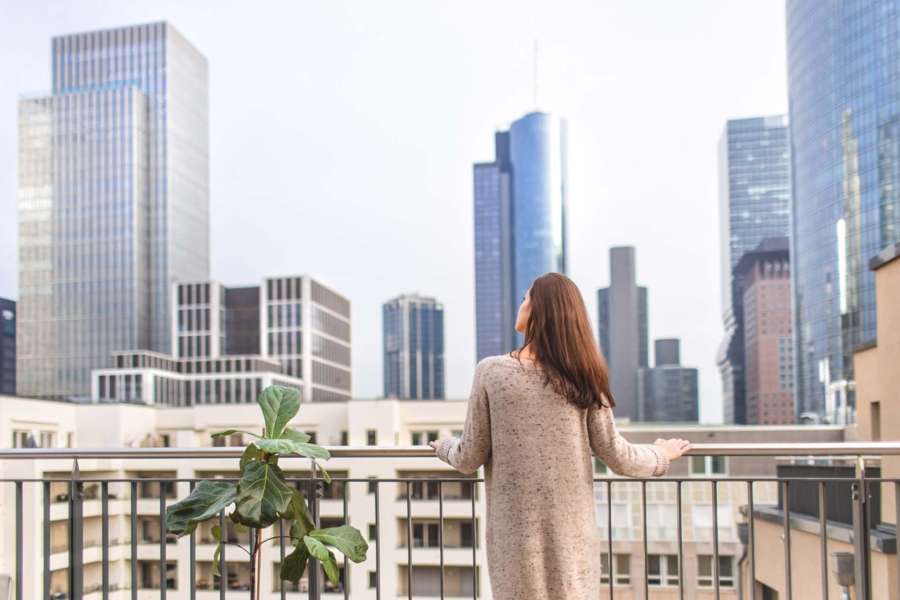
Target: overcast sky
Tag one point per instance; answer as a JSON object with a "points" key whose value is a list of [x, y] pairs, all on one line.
{"points": [[343, 136]]}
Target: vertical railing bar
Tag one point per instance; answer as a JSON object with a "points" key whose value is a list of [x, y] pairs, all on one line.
{"points": [[251, 546], [609, 534], [678, 524], [823, 540], [897, 530], [644, 537], [20, 560], [377, 545], [133, 557], [312, 566], [223, 574], [282, 591], [104, 535], [787, 541], [192, 559], [346, 569], [750, 535], [46, 540], [163, 572], [715, 532], [474, 543], [861, 532], [76, 535], [441, 532], [409, 540]]}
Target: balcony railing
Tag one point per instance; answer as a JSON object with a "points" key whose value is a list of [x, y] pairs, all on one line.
{"points": [[812, 494]]}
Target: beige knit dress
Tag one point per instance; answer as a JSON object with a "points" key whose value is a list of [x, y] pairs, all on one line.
{"points": [[542, 537]]}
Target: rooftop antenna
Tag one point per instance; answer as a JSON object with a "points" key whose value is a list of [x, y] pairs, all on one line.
{"points": [[535, 74]]}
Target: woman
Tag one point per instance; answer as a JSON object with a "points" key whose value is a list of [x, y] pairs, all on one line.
{"points": [[534, 417]]}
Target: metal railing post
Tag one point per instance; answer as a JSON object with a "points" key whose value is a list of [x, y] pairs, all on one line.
{"points": [[861, 532], [76, 535], [312, 566]]}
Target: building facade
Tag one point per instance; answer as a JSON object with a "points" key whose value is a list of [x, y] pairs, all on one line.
{"points": [[301, 331], [520, 207], [768, 341], [623, 328], [754, 203], [113, 199], [7, 346], [413, 347], [668, 392], [844, 95]]}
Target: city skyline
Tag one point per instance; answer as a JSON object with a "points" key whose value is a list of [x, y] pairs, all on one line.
{"points": [[609, 201]]}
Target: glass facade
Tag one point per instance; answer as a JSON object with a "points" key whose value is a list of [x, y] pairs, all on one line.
{"points": [[844, 93], [520, 201], [754, 204], [113, 201], [7, 347], [413, 348]]}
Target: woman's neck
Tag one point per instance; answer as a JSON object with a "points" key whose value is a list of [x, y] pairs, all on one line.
{"points": [[525, 354]]}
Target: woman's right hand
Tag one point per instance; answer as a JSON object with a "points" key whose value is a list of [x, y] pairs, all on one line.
{"points": [[674, 448]]}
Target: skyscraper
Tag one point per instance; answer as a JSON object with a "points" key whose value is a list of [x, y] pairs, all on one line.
{"points": [[413, 348], [520, 206], [113, 201], [754, 203], [768, 342], [844, 94], [668, 392], [7, 347], [623, 329]]}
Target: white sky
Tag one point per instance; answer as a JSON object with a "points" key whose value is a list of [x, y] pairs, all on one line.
{"points": [[343, 134]]}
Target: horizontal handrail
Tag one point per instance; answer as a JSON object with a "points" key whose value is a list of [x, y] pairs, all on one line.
{"points": [[749, 449]]}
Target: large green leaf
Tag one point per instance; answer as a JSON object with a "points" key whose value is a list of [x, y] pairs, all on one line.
{"points": [[297, 436], [311, 450], [295, 564], [344, 538], [230, 432], [251, 452], [298, 514], [279, 405], [318, 550], [206, 500], [284, 446], [262, 495]]}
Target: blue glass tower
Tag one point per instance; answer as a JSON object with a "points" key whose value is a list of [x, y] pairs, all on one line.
{"points": [[520, 207], [844, 93], [7, 347], [413, 328]]}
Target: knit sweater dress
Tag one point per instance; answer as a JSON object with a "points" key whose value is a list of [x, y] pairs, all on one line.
{"points": [[536, 446]]}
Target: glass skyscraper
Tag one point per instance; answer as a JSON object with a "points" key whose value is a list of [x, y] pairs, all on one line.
{"points": [[520, 207], [7, 347], [754, 204], [844, 93], [413, 338], [113, 201]]}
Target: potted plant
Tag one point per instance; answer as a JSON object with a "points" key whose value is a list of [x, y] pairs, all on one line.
{"points": [[262, 497]]}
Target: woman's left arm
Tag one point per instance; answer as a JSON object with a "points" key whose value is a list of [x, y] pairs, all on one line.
{"points": [[467, 453]]}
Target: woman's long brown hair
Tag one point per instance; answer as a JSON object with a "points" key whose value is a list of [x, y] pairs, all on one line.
{"points": [[559, 336]]}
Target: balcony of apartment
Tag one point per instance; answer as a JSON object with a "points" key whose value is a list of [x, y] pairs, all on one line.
{"points": [[706, 535]]}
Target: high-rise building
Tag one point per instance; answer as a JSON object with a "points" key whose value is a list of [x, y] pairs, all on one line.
{"points": [[768, 344], [113, 201], [668, 392], [230, 343], [7, 346], [520, 206], [754, 203], [844, 94], [413, 340], [623, 329]]}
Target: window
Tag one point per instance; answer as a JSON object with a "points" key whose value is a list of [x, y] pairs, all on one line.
{"points": [[373, 485], [662, 569], [373, 579], [703, 522], [661, 521], [371, 437], [345, 438], [421, 438], [425, 535], [622, 569], [705, 574], [621, 521], [373, 532], [709, 465]]}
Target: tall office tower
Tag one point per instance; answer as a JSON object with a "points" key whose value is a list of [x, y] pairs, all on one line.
{"points": [[520, 207], [844, 94], [7, 347], [768, 343], [622, 325], [113, 201], [668, 392], [754, 203], [413, 340]]}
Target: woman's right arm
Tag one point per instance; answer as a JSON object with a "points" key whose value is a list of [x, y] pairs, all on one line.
{"points": [[624, 458]]}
